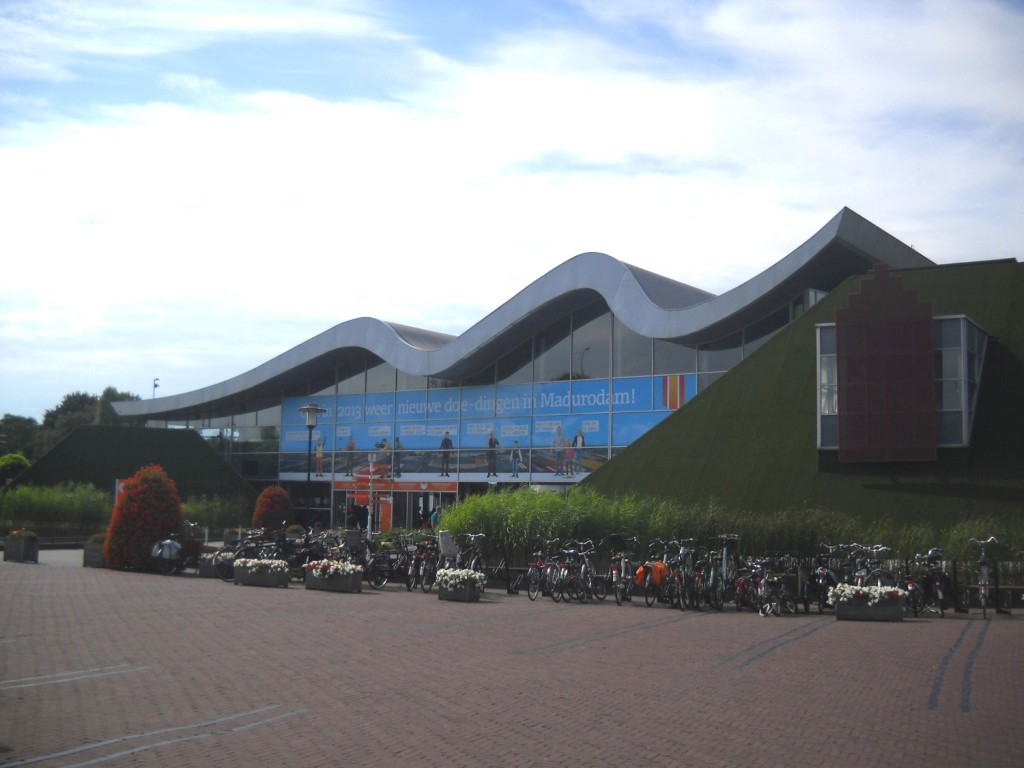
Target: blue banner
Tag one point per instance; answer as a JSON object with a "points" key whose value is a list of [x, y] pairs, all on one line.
{"points": [[633, 394]]}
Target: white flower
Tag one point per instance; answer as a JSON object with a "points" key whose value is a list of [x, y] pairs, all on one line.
{"points": [[262, 566], [452, 578], [845, 592], [325, 569]]}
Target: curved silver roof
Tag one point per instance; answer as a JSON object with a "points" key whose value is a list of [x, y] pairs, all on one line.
{"points": [[650, 304]]}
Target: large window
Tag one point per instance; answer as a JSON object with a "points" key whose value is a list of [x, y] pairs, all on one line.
{"points": [[592, 328], [552, 349], [959, 357], [632, 352]]}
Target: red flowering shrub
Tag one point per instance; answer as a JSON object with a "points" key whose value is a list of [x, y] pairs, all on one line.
{"points": [[273, 506], [148, 511]]}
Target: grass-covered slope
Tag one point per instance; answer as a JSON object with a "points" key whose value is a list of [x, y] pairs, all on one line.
{"points": [[99, 455], [748, 442]]}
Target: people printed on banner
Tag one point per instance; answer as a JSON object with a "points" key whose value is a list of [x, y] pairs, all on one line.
{"points": [[558, 449], [515, 458], [385, 455], [578, 444], [320, 456], [350, 456], [492, 455], [446, 453]]}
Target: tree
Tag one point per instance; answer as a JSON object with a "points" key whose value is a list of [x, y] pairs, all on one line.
{"points": [[149, 510], [78, 409], [19, 435], [12, 465], [273, 506], [105, 410]]}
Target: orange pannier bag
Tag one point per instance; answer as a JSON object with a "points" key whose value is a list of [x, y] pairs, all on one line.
{"points": [[659, 572], [639, 576]]}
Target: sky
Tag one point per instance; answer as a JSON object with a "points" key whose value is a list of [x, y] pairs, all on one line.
{"points": [[189, 189]]}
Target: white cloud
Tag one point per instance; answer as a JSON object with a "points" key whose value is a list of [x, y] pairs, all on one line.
{"points": [[701, 142]]}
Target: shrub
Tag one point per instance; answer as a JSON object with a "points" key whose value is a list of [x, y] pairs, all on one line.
{"points": [[12, 465], [216, 512], [273, 506], [149, 511], [57, 510]]}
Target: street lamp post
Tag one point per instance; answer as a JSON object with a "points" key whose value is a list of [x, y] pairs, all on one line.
{"points": [[311, 412]]}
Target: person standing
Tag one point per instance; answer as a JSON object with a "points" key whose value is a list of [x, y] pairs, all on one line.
{"points": [[578, 444], [559, 451], [446, 452], [492, 454], [320, 456], [350, 455], [516, 458]]}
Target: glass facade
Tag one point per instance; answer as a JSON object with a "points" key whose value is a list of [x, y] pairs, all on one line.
{"points": [[549, 410]]}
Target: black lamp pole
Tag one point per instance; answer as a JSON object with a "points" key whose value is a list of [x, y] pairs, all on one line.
{"points": [[311, 411]]}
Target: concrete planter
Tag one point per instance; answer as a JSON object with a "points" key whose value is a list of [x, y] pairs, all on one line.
{"points": [[205, 569], [250, 578], [353, 582], [467, 593], [859, 610], [92, 555], [21, 549]]}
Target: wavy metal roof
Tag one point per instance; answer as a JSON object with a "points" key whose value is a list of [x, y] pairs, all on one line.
{"points": [[650, 304]]}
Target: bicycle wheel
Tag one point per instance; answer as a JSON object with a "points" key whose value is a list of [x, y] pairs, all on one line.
{"points": [[600, 587], [410, 577], [377, 576], [556, 587], [717, 593], [429, 576], [788, 604], [822, 597], [533, 585], [776, 604], [168, 566], [224, 563], [650, 592], [697, 597]]}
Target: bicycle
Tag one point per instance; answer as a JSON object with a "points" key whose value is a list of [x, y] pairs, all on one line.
{"points": [[173, 557], [824, 576], [662, 581], [539, 574], [620, 572], [936, 583], [983, 574]]}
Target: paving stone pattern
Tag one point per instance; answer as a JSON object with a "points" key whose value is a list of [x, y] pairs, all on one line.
{"points": [[127, 669]]}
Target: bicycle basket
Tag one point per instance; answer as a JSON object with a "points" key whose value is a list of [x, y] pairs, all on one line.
{"points": [[448, 546]]}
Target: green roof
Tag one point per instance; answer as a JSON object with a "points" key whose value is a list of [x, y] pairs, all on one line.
{"points": [[99, 455], [749, 441]]}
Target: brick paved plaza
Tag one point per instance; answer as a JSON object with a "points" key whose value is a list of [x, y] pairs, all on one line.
{"points": [[125, 669]]}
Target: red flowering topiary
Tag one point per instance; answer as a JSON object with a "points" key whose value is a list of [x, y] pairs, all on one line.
{"points": [[148, 511], [273, 507]]}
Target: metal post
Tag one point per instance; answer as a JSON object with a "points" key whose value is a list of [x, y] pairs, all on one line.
{"points": [[309, 466]]}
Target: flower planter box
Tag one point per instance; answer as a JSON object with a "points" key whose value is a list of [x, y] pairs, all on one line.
{"points": [[205, 569], [466, 593], [261, 578], [21, 549], [352, 582], [92, 555], [859, 610]]}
